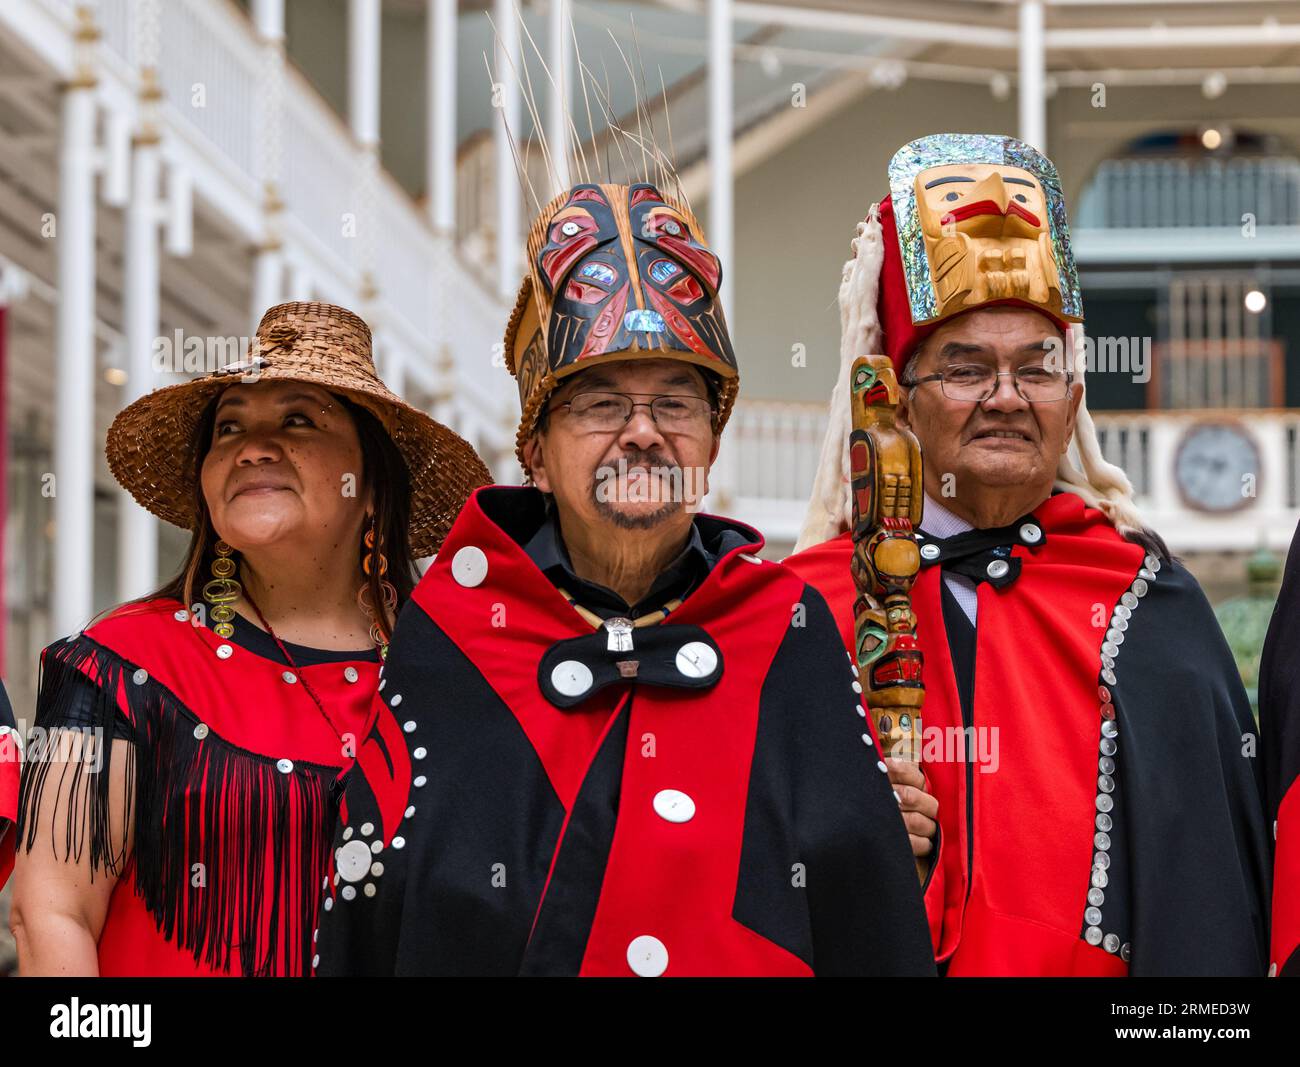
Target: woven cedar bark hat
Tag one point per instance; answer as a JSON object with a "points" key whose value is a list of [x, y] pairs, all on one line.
{"points": [[151, 444]]}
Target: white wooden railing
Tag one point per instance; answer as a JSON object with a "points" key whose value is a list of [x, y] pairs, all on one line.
{"points": [[430, 302], [1191, 193], [770, 451]]}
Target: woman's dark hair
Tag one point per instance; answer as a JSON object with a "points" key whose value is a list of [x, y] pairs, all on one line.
{"points": [[383, 472]]}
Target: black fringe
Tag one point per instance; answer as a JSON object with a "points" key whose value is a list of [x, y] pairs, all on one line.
{"points": [[260, 816]]}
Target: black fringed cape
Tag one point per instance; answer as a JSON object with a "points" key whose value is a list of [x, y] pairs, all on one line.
{"points": [[227, 768]]}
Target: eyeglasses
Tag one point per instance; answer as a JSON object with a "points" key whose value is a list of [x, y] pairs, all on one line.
{"points": [[606, 412], [978, 381]]}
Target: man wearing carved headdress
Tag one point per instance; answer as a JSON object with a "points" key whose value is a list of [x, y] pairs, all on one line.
{"points": [[611, 740], [1085, 732]]}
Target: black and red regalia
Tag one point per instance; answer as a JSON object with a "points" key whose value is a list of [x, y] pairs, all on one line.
{"points": [[531, 801], [1094, 760], [1279, 720], [10, 764], [229, 767]]}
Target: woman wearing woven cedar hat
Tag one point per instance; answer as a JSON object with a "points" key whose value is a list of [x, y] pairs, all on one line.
{"points": [[196, 840], [1113, 824]]}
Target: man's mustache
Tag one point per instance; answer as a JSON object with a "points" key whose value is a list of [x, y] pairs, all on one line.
{"points": [[628, 460]]}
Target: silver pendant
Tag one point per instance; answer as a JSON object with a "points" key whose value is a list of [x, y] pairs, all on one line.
{"points": [[620, 634]]}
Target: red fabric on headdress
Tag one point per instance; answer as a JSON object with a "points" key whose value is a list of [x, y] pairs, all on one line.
{"points": [[894, 310]]}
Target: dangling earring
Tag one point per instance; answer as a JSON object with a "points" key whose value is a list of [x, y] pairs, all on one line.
{"points": [[373, 561], [223, 590]]}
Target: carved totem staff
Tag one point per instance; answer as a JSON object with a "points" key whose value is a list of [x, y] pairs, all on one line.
{"points": [[885, 465]]}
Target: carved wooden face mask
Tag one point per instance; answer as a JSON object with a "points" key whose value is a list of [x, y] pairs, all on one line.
{"points": [[981, 219], [616, 272]]}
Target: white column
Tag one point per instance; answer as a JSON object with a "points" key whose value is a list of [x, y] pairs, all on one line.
{"points": [[393, 362], [297, 280], [1033, 102], [268, 260], [268, 17], [440, 66], [363, 70], [1271, 490], [509, 237], [76, 368], [137, 530], [1163, 443], [268, 280], [721, 179], [559, 59], [363, 115]]}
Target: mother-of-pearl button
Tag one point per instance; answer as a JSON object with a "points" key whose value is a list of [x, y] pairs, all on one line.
{"points": [[350, 674], [571, 678], [695, 659], [1030, 534], [225, 651], [284, 766], [469, 566], [674, 805], [352, 860], [647, 956]]}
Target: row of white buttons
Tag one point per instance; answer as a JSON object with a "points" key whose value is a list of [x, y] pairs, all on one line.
{"points": [[225, 652], [350, 674], [646, 955]]}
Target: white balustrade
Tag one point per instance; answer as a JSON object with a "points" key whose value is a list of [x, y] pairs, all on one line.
{"points": [[1183, 193], [429, 299]]}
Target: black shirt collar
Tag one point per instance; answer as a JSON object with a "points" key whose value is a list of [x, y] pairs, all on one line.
{"points": [[546, 548]]}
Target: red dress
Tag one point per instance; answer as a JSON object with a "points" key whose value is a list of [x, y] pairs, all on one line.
{"points": [[230, 769]]}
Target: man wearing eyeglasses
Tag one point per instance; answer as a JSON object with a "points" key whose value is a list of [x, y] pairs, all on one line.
{"points": [[1086, 734], [610, 738]]}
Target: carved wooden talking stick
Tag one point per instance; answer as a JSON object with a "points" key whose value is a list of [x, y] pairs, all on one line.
{"points": [[885, 465]]}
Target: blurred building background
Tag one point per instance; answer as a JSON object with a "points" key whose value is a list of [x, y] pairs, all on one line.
{"points": [[170, 168]]}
